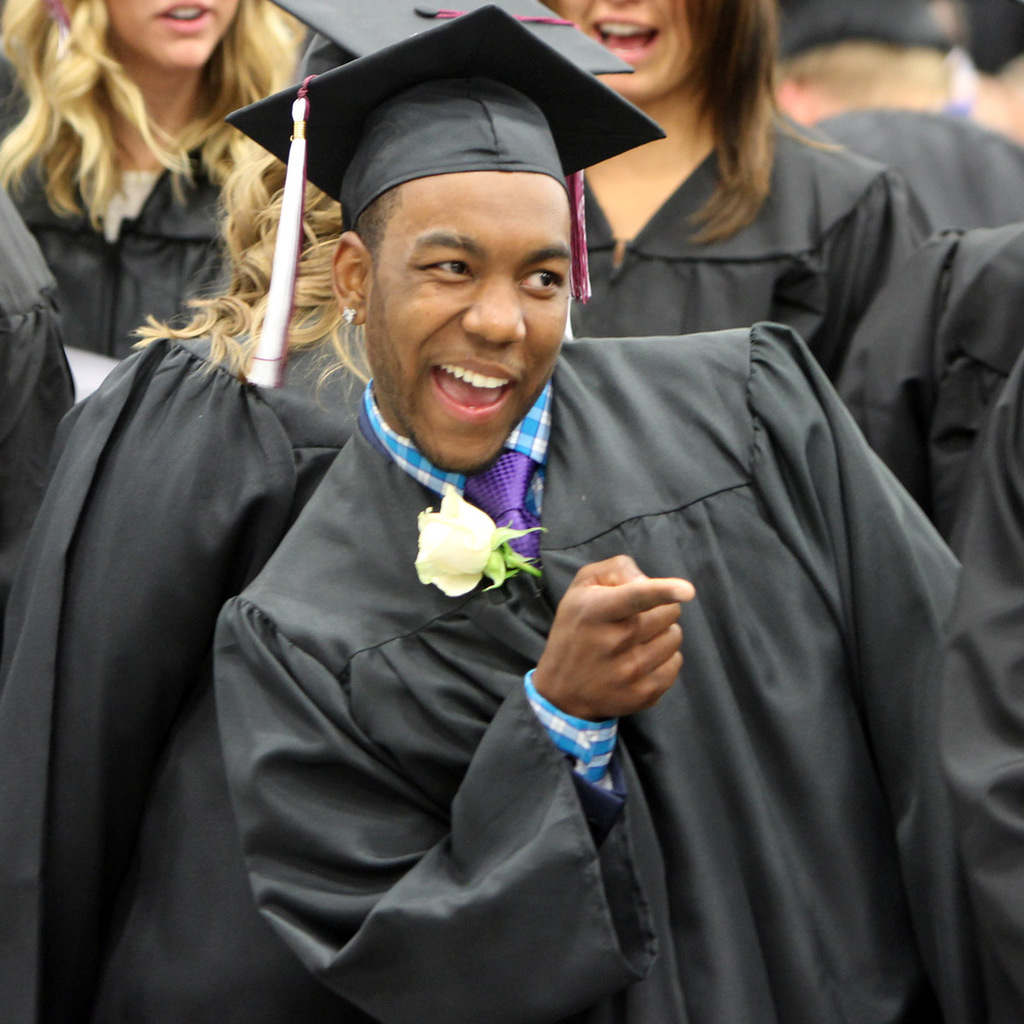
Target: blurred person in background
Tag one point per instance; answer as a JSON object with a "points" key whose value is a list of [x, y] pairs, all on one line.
{"points": [[931, 357], [992, 31], [932, 353], [883, 78], [121, 877], [982, 732], [732, 218], [116, 147]]}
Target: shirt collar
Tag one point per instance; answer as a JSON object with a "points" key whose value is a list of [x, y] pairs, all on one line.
{"points": [[530, 436]]}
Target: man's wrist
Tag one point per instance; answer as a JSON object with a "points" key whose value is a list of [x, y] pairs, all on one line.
{"points": [[590, 744]]}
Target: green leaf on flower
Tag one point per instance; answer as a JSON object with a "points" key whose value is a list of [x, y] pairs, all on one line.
{"points": [[496, 570], [505, 562]]}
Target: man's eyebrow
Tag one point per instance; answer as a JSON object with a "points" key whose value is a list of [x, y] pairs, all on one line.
{"points": [[447, 240], [549, 252]]}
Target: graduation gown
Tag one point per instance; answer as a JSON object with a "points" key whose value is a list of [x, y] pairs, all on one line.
{"points": [[35, 385], [830, 231], [785, 851], [165, 256], [983, 714], [930, 358], [121, 880], [964, 174]]}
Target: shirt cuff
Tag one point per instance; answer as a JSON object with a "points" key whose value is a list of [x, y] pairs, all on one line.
{"points": [[589, 744], [602, 803]]}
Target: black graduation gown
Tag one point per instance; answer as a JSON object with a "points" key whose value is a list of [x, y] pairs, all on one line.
{"points": [[964, 174], [785, 852], [121, 880], [931, 356], [820, 248], [982, 711], [35, 385], [166, 255]]}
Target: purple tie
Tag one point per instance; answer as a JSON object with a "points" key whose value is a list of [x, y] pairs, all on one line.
{"points": [[501, 492]]}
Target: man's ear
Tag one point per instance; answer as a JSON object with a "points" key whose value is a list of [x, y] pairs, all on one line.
{"points": [[352, 275]]}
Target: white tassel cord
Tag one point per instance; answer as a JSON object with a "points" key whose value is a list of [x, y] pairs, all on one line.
{"points": [[268, 368]]}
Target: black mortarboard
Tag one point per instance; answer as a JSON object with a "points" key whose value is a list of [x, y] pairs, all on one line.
{"points": [[479, 92], [352, 28], [807, 24], [588, 121]]}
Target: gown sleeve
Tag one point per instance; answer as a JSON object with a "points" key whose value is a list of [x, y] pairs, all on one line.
{"points": [[35, 386], [860, 253], [983, 705], [172, 485], [930, 359], [497, 907], [890, 378], [891, 581]]}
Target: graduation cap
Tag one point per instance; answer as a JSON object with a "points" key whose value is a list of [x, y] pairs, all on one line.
{"points": [[807, 24], [347, 29], [480, 92]]}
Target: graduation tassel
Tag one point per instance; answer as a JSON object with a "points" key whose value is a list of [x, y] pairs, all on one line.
{"points": [[268, 367], [59, 13], [444, 12], [579, 274]]}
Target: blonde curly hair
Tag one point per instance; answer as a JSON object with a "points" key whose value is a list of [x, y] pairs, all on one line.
{"points": [[232, 320], [72, 99]]}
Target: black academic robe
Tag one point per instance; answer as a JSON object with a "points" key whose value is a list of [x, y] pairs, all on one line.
{"points": [[785, 851], [165, 256], [983, 709], [829, 233], [122, 888], [35, 385], [964, 174], [930, 358]]}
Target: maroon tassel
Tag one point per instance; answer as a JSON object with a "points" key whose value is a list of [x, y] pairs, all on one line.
{"points": [[444, 12], [59, 13], [579, 274]]}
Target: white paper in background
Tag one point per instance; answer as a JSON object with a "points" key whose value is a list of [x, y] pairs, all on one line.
{"points": [[88, 370]]}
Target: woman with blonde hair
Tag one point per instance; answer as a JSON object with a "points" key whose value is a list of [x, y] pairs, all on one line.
{"points": [[124, 892], [119, 146], [734, 217]]}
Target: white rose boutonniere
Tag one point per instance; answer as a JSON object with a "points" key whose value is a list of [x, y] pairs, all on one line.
{"points": [[460, 545]]}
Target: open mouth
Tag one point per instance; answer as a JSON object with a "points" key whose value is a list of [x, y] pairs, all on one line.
{"points": [[185, 13], [469, 389], [625, 38]]}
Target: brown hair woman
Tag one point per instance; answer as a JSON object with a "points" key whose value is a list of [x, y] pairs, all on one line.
{"points": [[734, 217]]}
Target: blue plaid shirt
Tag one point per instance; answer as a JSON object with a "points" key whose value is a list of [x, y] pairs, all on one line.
{"points": [[530, 437], [589, 744]]}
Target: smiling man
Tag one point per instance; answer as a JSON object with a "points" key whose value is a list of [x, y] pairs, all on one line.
{"points": [[510, 803], [456, 385]]}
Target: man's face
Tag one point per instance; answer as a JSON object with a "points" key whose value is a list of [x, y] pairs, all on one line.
{"points": [[466, 309]]}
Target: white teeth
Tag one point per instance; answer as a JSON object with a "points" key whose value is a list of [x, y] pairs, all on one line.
{"points": [[186, 13], [477, 380], [615, 28]]}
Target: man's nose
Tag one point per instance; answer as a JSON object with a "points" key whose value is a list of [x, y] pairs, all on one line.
{"points": [[496, 313]]}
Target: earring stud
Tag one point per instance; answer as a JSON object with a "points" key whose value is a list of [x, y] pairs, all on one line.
{"points": [[348, 315]]}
